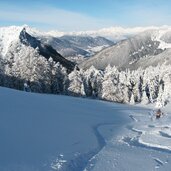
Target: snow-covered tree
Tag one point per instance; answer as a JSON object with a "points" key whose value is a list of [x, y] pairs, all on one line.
{"points": [[93, 82], [110, 90], [76, 86], [25, 64]]}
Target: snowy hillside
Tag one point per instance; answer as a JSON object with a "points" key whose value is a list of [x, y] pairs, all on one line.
{"points": [[24, 58], [60, 133], [15, 41], [46, 132], [144, 144], [149, 47]]}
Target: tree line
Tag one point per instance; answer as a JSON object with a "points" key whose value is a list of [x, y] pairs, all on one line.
{"points": [[149, 85]]}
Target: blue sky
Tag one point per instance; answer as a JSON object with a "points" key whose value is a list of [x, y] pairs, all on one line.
{"points": [[75, 15]]}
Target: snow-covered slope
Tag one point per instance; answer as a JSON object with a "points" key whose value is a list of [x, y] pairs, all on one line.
{"points": [[154, 60], [149, 45], [143, 145], [60, 133], [48, 133]]}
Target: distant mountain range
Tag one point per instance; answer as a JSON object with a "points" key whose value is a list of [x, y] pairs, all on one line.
{"points": [[149, 48], [66, 45], [133, 47], [74, 46], [115, 34]]}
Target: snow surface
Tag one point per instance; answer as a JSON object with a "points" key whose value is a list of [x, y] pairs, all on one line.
{"points": [[145, 144], [50, 132]]}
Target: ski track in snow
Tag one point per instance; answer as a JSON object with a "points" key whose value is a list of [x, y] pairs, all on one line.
{"points": [[148, 130], [148, 136]]}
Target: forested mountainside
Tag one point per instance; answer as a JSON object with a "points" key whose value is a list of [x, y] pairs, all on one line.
{"points": [[149, 48]]}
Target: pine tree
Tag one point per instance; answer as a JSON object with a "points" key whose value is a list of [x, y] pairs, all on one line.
{"points": [[76, 86], [93, 82]]}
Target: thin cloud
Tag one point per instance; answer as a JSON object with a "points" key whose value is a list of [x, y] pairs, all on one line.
{"points": [[54, 18]]}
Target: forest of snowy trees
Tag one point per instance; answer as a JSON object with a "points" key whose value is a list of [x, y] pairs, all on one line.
{"points": [[45, 76], [140, 86]]}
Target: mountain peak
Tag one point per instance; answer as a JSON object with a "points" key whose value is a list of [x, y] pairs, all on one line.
{"points": [[10, 35]]}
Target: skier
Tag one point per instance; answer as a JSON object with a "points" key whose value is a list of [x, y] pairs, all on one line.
{"points": [[158, 114]]}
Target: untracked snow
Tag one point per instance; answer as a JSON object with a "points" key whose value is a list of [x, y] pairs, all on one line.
{"points": [[49, 132]]}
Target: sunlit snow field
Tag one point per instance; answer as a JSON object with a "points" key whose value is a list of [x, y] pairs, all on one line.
{"points": [[53, 132]]}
